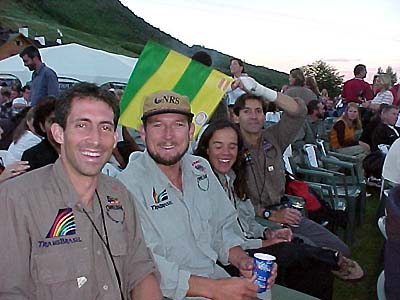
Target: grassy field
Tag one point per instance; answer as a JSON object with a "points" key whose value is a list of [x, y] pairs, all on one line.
{"points": [[367, 250]]}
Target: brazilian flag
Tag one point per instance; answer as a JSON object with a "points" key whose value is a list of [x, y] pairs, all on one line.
{"points": [[160, 68]]}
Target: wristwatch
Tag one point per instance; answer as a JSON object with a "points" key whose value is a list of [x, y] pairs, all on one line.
{"points": [[266, 214]]}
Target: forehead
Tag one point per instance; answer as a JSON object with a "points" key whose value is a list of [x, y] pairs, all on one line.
{"points": [[168, 117], [252, 103], [25, 57], [90, 106], [224, 135]]}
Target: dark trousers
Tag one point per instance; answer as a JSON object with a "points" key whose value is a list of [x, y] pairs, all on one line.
{"points": [[301, 267]]}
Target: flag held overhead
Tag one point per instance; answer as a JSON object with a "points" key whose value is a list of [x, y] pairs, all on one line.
{"points": [[160, 68]]}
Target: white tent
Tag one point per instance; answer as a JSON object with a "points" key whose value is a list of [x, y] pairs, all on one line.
{"points": [[76, 62]]}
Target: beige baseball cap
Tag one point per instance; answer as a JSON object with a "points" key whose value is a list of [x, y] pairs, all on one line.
{"points": [[163, 102]]}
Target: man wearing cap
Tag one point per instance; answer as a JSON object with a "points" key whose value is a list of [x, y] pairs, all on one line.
{"points": [[187, 219]]}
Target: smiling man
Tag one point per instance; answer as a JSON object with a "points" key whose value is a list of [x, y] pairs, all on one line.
{"points": [[188, 221], [67, 229]]}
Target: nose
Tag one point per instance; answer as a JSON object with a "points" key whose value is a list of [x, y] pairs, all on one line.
{"points": [[253, 114], [168, 132], [94, 136]]}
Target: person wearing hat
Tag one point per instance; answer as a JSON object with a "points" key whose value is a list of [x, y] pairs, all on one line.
{"points": [[187, 219]]}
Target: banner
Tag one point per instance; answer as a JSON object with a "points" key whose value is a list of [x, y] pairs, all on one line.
{"points": [[160, 68]]}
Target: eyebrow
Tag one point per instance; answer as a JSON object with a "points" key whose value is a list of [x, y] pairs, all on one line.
{"points": [[90, 121], [219, 142]]}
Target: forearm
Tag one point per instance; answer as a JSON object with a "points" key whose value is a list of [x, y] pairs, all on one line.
{"points": [[201, 287], [287, 103], [147, 289], [236, 255]]}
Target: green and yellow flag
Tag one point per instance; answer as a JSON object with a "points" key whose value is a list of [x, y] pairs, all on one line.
{"points": [[160, 68]]}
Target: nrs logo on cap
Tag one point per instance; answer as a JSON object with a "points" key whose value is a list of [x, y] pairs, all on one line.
{"points": [[166, 102]]}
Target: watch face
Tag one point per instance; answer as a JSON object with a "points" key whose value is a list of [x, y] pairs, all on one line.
{"points": [[267, 214]]}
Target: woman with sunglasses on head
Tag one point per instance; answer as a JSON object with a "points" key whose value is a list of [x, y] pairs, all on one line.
{"points": [[299, 264]]}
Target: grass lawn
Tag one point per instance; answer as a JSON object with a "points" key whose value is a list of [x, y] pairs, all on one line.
{"points": [[367, 250]]}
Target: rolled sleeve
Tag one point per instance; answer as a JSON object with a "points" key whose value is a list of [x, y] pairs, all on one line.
{"points": [[174, 281], [141, 262]]}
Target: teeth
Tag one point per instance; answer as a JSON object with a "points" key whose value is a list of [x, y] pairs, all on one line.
{"points": [[225, 160], [92, 154], [168, 147]]}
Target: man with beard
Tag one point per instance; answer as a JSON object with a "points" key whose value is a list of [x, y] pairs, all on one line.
{"points": [[44, 80], [67, 230], [187, 219], [312, 129]]}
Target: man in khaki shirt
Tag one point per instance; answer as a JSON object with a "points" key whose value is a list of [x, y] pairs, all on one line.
{"points": [[66, 230]]}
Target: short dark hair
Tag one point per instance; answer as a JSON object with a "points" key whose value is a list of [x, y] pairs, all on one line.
{"points": [[44, 109], [312, 105], [240, 62], [241, 103], [81, 91], [202, 57], [359, 68], [31, 51]]}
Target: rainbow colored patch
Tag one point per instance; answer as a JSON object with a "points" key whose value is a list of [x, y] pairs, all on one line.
{"points": [[157, 198], [64, 224]]}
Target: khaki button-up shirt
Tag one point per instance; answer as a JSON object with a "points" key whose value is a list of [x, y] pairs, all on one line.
{"points": [[50, 248]]}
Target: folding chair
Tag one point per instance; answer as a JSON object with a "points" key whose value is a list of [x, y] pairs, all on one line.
{"points": [[345, 187], [349, 164]]}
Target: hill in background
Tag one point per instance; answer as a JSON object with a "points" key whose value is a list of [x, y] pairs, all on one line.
{"points": [[110, 26]]}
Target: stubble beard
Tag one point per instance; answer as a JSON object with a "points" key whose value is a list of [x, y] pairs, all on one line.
{"points": [[167, 162]]}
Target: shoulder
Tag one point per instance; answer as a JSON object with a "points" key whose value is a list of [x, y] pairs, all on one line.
{"points": [[139, 169], [29, 182], [49, 71], [196, 163]]}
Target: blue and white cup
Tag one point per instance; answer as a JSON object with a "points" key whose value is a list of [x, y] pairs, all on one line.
{"points": [[262, 267]]}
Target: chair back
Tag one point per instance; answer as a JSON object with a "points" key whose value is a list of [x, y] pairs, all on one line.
{"points": [[311, 155]]}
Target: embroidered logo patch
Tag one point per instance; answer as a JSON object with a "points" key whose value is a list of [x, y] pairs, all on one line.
{"points": [[198, 166], [160, 200], [157, 198], [113, 203], [63, 225]]}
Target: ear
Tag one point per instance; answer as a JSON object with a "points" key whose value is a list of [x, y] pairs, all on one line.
{"points": [[191, 131], [58, 133], [142, 133], [115, 138]]}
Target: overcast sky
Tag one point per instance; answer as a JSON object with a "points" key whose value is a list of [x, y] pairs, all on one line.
{"points": [[285, 34]]}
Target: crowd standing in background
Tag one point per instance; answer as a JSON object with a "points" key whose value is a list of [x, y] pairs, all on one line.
{"points": [[208, 213]]}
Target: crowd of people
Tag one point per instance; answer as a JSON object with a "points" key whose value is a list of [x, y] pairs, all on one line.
{"points": [[182, 219]]}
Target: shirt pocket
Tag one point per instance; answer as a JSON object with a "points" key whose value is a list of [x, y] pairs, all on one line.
{"points": [[117, 236], [63, 266], [59, 273]]}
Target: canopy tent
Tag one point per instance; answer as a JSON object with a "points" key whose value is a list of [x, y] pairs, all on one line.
{"points": [[75, 62]]}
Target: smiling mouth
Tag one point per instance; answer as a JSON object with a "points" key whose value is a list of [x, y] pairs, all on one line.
{"points": [[91, 154], [224, 160], [168, 147]]}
